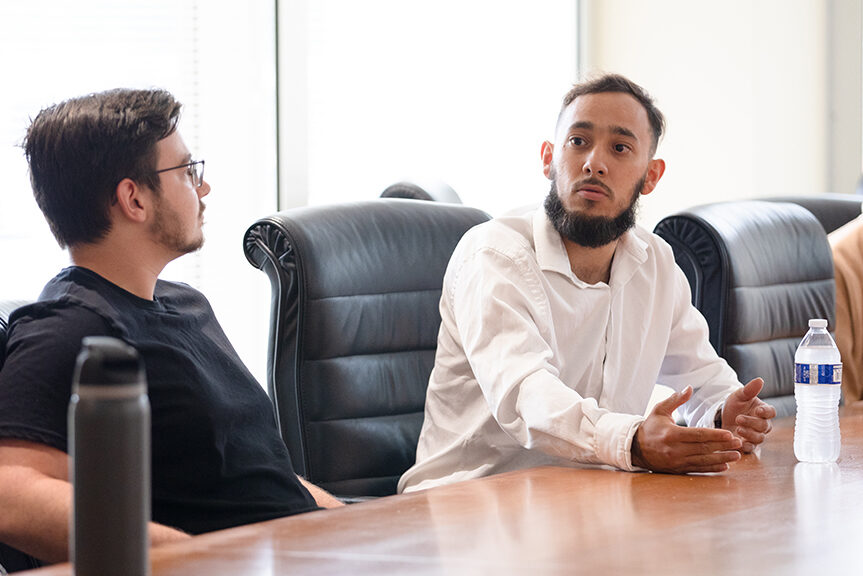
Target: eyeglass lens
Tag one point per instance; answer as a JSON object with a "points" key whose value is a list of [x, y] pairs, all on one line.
{"points": [[198, 173]]}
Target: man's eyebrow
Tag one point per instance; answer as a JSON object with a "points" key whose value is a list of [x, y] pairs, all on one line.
{"points": [[585, 125], [582, 124], [624, 132]]}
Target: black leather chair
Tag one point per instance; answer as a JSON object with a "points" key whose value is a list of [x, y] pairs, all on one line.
{"points": [[758, 272], [434, 191], [832, 210], [6, 308], [354, 323], [11, 559]]}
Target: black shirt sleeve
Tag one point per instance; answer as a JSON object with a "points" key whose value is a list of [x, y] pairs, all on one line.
{"points": [[36, 380]]}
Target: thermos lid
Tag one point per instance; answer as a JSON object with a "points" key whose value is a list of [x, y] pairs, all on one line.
{"points": [[107, 361]]}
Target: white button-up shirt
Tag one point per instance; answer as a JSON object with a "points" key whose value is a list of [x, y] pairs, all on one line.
{"points": [[535, 367]]}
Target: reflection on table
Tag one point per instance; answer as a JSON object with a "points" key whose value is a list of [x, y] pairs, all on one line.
{"points": [[767, 515]]}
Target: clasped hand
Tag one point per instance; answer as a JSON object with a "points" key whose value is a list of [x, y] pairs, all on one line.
{"points": [[663, 446]]}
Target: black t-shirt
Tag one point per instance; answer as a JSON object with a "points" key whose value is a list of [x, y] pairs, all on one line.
{"points": [[217, 457]]}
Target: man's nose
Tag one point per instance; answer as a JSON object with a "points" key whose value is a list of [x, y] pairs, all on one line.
{"points": [[595, 164], [203, 189]]}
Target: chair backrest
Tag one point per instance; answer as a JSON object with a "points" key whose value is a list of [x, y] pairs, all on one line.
{"points": [[758, 272], [353, 331], [11, 560], [435, 191], [6, 308], [832, 210]]}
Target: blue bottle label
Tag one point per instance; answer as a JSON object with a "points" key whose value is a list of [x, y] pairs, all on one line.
{"points": [[818, 373]]}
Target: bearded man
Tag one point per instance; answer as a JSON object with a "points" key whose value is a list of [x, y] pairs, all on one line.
{"points": [[558, 323]]}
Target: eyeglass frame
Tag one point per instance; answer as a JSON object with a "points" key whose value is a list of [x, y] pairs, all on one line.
{"points": [[196, 175]]}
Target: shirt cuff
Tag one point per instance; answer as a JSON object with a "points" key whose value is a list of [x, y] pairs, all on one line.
{"points": [[708, 419], [717, 419], [614, 434]]}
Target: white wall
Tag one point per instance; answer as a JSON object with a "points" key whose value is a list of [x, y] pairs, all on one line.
{"points": [[752, 90], [762, 97], [845, 67], [462, 91], [218, 59]]}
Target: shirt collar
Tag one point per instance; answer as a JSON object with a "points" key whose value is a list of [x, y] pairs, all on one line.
{"points": [[551, 254], [550, 251]]}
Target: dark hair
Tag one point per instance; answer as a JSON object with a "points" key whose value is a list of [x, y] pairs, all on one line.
{"points": [[80, 149], [618, 83]]}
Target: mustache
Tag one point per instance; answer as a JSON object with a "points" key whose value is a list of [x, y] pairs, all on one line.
{"points": [[592, 181]]}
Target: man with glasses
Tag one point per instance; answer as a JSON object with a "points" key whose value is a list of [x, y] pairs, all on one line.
{"points": [[121, 191]]}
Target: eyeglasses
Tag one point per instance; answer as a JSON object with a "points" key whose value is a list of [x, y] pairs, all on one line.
{"points": [[194, 169]]}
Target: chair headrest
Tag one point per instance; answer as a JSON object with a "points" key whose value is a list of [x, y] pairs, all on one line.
{"points": [[6, 308], [436, 191]]}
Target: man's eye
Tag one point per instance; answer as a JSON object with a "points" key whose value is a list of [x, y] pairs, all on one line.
{"points": [[576, 141], [620, 147]]}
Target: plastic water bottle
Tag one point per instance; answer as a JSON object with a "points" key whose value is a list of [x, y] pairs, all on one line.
{"points": [[817, 388], [109, 446]]}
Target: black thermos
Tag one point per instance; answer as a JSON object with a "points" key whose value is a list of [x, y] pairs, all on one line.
{"points": [[109, 466]]}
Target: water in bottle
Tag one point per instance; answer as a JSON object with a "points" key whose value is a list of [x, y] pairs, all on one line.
{"points": [[109, 448], [817, 388]]}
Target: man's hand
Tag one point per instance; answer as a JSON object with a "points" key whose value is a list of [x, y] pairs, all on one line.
{"points": [[663, 446], [748, 416]]}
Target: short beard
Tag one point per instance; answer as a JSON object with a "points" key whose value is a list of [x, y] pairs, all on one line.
{"points": [[170, 234], [590, 231]]}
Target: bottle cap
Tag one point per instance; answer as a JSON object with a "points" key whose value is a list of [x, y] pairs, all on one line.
{"points": [[818, 323], [107, 361]]}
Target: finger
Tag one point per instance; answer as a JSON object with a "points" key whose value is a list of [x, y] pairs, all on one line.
{"points": [[712, 459], [717, 462], [751, 389], [708, 469], [700, 435], [766, 411], [750, 435], [696, 469], [670, 404], [700, 448], [748, 447], [757, 424]]}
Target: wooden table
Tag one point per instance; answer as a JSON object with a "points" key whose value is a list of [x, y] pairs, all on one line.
{"points": [[767, 515]]}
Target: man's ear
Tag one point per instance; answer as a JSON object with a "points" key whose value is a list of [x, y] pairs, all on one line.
{"points": [[133, 201], [655, 170], [547, 152]]}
